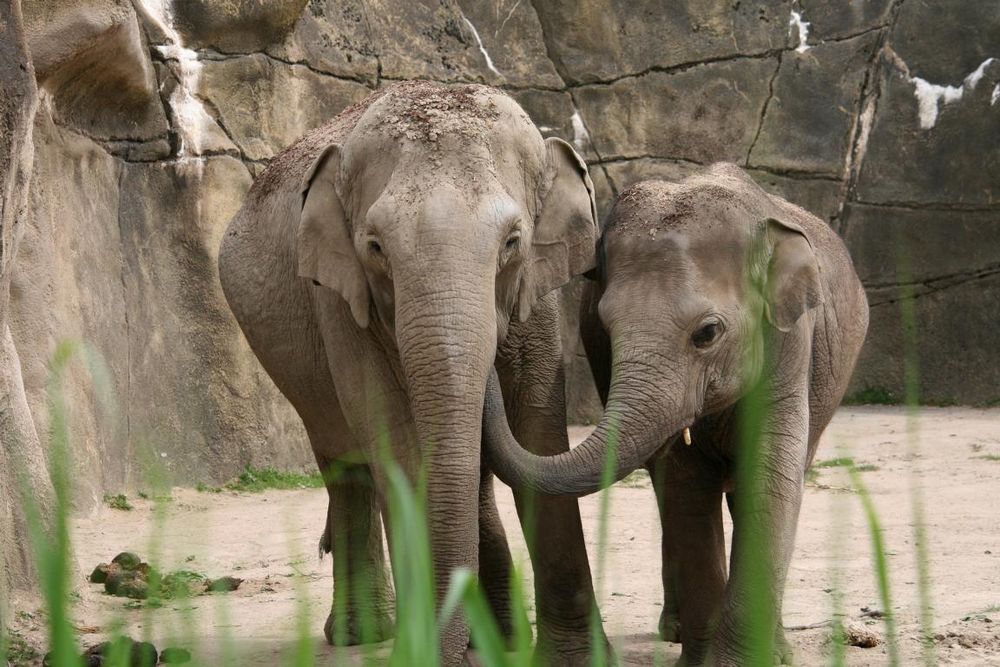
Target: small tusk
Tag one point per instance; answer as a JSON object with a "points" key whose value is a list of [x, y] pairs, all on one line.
{"points": [[687, 435]]}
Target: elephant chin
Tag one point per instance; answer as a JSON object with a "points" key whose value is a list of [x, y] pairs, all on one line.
{"points": [[629, 433]]}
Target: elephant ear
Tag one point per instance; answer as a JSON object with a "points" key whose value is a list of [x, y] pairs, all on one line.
{"points": [[562, 244], [325, 248], [792, 285]]}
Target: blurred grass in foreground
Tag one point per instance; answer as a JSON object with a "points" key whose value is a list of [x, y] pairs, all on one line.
{"points": [[419, 621]]}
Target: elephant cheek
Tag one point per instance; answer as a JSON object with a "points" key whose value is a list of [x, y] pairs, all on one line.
{"points": [[383, 295]]}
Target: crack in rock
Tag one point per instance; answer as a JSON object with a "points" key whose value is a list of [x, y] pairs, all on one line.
{"points": [[930, 285]]}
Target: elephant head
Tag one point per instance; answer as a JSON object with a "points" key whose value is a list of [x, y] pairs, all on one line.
{"points": [[441, 215], [693, 276]]}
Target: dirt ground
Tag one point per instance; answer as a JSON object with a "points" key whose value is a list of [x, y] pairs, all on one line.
{"points": [[267, 537]]}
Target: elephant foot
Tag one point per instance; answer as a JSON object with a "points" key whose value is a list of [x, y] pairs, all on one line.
{"points": [[506, 628], [365, 626], [783, 654], [670, 626], [716, 654], [694, 655], [470, 659], [572, 650]]}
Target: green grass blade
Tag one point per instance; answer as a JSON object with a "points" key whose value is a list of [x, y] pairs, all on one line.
{"points": [[881, 565], [911, 381], [522, 626], [413, 572], [464, 589], [597, 656]]}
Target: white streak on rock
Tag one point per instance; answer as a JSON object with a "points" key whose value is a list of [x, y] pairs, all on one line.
{"points": [[977, 74], [546, 128], [995, 96], [580, 135], [857, 156], [931, 96], [190, 117], [796, 22], [482, 49], [929, 99]]}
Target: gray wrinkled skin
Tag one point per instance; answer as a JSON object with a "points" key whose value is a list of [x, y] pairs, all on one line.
{"points": [[380, 268], [707, 290]]}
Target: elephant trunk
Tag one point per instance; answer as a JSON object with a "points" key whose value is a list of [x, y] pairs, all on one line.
{"points": [[638, 419], [447, 341]]}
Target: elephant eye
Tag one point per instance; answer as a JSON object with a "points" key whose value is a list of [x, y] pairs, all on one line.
{"points": [[707, 334], [375, 247], [509, 250]]}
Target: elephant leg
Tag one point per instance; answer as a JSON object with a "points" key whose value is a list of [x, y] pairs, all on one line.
{"points": [[689, 487], [766, 508], [783, 654], [363, 602], [495, 563], [669, 627], [782, 648], [452, 531], [532, 378]]}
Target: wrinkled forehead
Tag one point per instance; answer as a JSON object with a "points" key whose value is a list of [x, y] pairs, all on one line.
{"points": [[425, 118], [422, 132], [678, 232]]}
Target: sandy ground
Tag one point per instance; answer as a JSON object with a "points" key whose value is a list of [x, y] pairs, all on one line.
{"points": [[267, 538]]}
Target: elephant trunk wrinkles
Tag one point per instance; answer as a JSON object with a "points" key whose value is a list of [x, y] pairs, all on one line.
{"points": [[447, 341], [636, 422]]}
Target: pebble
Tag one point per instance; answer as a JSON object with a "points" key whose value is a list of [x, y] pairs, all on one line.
{"points": [[127, 560]]}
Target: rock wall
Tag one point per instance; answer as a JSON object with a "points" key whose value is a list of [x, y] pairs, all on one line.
{"points": [[23, 472], [881, 116]]}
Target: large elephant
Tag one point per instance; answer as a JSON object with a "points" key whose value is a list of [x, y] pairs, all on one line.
{"points": [[380, 268], [732, 313]]}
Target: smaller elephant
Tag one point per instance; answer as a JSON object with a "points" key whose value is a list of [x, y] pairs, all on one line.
{"points": [[731, 320]]}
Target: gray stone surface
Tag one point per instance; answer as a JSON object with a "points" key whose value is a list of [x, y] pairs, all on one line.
{"points": [[333, 36], [202, 399], [252, 95], [705, 113], [603, 40], [837, 20], [235, 25], [945, 267], [92, 62], [819, 88], [954, 158], [23, 470], [954, 162], [67, 287]]}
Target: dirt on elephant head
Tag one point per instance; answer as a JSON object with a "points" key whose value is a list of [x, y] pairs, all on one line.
{"points": [[420, 111], [425, 110], [644, 207], [654, 206]]}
